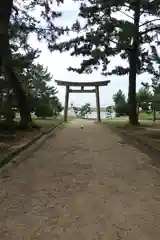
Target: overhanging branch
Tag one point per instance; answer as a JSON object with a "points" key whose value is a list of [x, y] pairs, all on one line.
{"points": [[154, 20], [150, 30]]}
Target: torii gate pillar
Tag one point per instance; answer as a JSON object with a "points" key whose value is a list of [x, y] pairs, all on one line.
{"points": [[96, 86], [66, 103], [98, 104]]}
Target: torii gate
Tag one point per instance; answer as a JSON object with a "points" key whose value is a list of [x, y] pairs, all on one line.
{"points": [[95, 90]]}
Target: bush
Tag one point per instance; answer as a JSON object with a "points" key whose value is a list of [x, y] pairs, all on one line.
{"points": [[121, 109], [43, 111], [9, 115]]}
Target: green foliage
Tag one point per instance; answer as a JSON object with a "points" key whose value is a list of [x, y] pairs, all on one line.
{"points": [[107, 35], [119, 96], [38, 86], [82, 111], [85, 110], [144, 95], [43, 111], [155, 71], [109, 109], [9, 114], [56, 106], [121, 106], [156, 100], [8, 123], [76, 110], [25, 21], [18, 22]]}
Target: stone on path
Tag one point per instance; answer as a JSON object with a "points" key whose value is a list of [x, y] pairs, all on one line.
{"points": [[82, 185]]}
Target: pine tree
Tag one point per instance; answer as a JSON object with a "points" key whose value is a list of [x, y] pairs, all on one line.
{"points": [[16, 22], [107, 36]]}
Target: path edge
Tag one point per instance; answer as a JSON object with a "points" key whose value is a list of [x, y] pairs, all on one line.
{"points": [[143, 141], [15, 157]]}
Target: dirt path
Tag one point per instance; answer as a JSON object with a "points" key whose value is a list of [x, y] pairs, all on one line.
{"points": [[82, 185]]}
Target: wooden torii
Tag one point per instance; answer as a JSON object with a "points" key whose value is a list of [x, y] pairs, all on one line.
{"points": [[95, 90]]}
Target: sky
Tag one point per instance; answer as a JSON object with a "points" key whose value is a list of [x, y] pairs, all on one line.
{"points": [[58, 63]]}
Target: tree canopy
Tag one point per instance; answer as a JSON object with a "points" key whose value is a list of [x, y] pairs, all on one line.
{"points": [[102, 34], [144, 96], [105, 35], [82, 111], [23, 78], [121, 107]]}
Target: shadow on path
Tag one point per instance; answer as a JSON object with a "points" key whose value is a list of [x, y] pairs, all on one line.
{"points": [[152, 153]]}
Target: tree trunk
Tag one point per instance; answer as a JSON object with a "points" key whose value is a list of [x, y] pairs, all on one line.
{"points": [[154, 114], [6, 62], [20, 95], [132, 102], [133, 62]]}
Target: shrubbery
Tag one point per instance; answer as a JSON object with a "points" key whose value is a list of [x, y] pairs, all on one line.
{"points": [[9, 114], [121, 108], [43, 111]]}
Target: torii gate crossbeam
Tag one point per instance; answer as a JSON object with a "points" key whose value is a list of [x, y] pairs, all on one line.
{"points": [[95, 90]]}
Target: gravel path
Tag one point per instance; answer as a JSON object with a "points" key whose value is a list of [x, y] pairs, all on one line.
{"points": [[82, 184]]}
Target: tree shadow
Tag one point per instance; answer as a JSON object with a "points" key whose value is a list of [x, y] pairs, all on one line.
{"points": [[153, 153]]}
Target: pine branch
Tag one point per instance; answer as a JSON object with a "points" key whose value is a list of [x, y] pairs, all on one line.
{"points": [[156, 28], [154, 20]]}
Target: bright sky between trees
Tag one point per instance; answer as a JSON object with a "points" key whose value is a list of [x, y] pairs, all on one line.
{"points": [[58, 63]]}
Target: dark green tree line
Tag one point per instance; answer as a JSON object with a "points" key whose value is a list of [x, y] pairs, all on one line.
{"points": [[154, 69]]}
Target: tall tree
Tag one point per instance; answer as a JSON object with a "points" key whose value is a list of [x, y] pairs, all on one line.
{"points": [[120, 103], [107, 35], [119, 96], [154, 70], [40, 88], [6, 8], [16, 20], [144, 96], [85, 110]]}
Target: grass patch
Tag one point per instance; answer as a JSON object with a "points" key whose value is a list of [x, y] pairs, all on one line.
{"points": [[148, 116], [13, 140], [144, 124], [47, 123], [144, 120], [70, 118]]}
